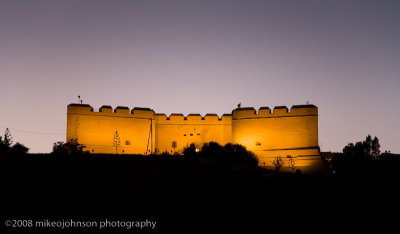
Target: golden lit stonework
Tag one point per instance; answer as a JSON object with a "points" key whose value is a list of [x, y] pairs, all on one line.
{"points": [[269, 134]]}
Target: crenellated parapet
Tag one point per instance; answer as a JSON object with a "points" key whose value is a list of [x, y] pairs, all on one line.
{"points": [[278, 111], [179, 118], [106, 110], [142, 112]]}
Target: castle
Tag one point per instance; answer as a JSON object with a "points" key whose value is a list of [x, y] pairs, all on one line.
{"points": [[267, 133]]}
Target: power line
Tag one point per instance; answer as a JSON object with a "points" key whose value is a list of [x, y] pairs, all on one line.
{"points": [[33, 132]]}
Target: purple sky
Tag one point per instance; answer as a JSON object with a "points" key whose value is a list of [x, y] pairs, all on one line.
{"points": [[202, 57]]}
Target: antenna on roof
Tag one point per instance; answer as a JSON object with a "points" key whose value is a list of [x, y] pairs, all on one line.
{"points": [[79, 98], [308, 102]]}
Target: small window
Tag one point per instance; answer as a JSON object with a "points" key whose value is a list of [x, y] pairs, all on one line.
{"points": [[127, 142], [191, 134], [258, 143], [198, 134], [184, 134]]}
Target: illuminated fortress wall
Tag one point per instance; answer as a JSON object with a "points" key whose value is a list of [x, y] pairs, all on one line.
{"points": [[267, 133], [280, 133], [96, 130], [177, 132]]}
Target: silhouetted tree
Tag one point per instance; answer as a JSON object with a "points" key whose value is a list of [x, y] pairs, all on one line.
{"points": [[278, 163], [228, 154], [292, 164], [7, 147], [367, 150], [19, 148], [190, 151], [376, 152], [58, 148], [357, 157], [6, 142], [213, 151], [367, 144], [71, 147], [349, 150], [237, 153]]}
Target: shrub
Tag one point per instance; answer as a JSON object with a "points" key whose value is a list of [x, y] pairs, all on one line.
{"points": [[19, 148], [228, 154], [240, 155], [190, 151], [214, 151], [71, 147]]}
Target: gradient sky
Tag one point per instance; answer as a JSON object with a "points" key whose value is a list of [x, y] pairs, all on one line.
{"points": [[202, 57]]}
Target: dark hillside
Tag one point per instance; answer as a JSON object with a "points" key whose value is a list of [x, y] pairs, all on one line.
{"points": [[188, 195]]}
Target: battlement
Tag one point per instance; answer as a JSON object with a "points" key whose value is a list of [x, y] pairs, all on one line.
{"points": [[106, 110], [238, 113], [278, 111], [144, 112], [179, 118], [122, 110]]}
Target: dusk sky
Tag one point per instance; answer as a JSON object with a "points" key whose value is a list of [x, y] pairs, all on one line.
{"points": [[202, 57]]}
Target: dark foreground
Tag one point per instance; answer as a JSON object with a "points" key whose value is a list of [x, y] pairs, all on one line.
{"points": [[185, 195]]}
